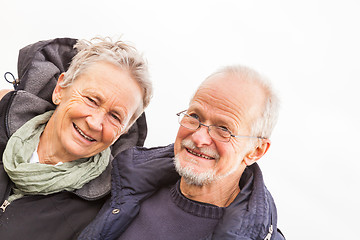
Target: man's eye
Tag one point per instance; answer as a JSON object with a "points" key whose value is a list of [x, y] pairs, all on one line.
{"points": [[224, 128], [194, 115]]}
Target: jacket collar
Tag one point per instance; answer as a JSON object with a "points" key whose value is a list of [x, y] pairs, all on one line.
{"points": [[254, 220], [139, 172]]}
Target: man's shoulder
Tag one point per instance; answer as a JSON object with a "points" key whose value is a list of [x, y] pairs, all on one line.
{"points": [[144, 169], [142, 155]]}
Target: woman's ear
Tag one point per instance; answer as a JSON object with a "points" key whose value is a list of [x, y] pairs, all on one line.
{"points": [[256, 153], [56, 96]]}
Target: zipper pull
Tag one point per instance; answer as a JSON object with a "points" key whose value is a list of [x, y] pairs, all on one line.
{"points": [[268, 236], [4, 205]]}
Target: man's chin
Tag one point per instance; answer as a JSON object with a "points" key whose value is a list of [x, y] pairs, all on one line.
{"points": [[191, 176], [198, 179]]}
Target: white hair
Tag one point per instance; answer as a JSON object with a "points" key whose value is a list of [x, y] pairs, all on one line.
{"points": [[120, 54], [264, 124]]}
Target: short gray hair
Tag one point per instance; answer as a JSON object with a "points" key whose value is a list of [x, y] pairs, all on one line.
{"points": [[263, 125], [119, 53]]}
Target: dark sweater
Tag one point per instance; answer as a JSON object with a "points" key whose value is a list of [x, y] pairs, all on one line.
{"points": [[137, 175], [170, 215]]}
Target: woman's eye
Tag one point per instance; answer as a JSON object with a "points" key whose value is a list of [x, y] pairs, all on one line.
{"points": [[91, 100], [115, 117]]}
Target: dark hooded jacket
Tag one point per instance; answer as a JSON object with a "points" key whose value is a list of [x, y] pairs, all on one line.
{"points": [[139, 172], [62, 215]]}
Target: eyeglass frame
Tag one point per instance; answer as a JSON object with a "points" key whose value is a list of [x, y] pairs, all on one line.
{"points": [[208, 127]]}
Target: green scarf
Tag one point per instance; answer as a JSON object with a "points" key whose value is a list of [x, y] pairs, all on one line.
{"points": [[44, 179]]}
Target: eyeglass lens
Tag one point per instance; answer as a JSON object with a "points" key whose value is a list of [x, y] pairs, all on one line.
{"points": [[193, 124]]}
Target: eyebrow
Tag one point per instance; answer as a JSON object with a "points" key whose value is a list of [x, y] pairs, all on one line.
{"points": [[96, 95], [218, 122]]}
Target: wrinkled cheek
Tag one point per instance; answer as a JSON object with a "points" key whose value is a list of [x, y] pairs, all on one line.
{"points": [[109, 137], [222, 168], [183, 160], [177, 146], [181, 135], [111, 134], [116, 134]]}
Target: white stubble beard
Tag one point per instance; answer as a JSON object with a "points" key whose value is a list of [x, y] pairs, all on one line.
{"points": [[192, 177]]}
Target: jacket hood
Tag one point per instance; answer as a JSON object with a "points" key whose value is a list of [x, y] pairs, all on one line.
{"points": [[39, 66]]}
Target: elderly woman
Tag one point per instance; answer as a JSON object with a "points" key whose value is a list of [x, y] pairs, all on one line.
{"points": [[54, 174]]}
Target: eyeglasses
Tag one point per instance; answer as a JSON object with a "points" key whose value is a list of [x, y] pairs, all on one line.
{"points": [[217, 133]]}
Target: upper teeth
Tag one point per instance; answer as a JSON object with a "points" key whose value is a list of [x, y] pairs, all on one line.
{"points": [[199, 155], [83, 134]]}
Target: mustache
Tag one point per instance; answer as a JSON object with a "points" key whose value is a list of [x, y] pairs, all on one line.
{"points": [[187, 143]]}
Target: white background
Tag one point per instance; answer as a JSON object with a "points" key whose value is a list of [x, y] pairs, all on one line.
{"points": [[309, 49]]}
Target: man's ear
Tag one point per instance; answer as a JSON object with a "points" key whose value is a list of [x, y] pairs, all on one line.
{"points": [[56, 96], [256, 153]]}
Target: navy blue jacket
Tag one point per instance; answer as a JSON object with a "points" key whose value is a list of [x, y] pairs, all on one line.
{"points": [[137, 174]]}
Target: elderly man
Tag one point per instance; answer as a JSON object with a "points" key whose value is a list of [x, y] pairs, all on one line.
{"points": [[221, 193]]}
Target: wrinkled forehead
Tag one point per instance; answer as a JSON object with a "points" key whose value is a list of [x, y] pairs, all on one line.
{"points": [[243, 98]]}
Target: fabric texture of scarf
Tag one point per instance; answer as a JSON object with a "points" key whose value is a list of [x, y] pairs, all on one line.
{"points": [[44, 179]]}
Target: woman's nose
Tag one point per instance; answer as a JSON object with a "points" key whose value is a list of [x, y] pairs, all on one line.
{"points": [[95, 121]]}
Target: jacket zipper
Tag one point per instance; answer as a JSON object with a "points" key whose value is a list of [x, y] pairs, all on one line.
{"points": [[4, 205], [268, 236]]}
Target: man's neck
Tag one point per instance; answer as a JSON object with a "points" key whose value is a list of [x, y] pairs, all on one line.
{"points": [[220, 193]]}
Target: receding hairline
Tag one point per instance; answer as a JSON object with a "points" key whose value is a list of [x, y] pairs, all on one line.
{"points": [[265, 122]]}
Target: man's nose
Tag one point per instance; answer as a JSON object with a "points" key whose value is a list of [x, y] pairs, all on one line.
{"points": [[201, 136]]}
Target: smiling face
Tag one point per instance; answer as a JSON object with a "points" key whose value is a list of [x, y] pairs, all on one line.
{"points": [[92, 112], [225, 102]]}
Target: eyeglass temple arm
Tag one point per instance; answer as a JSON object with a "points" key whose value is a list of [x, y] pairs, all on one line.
{"points": [[240, 136], [178, 114]]}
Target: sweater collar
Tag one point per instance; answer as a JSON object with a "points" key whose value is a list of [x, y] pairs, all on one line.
{"points": [[193, 207]]}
